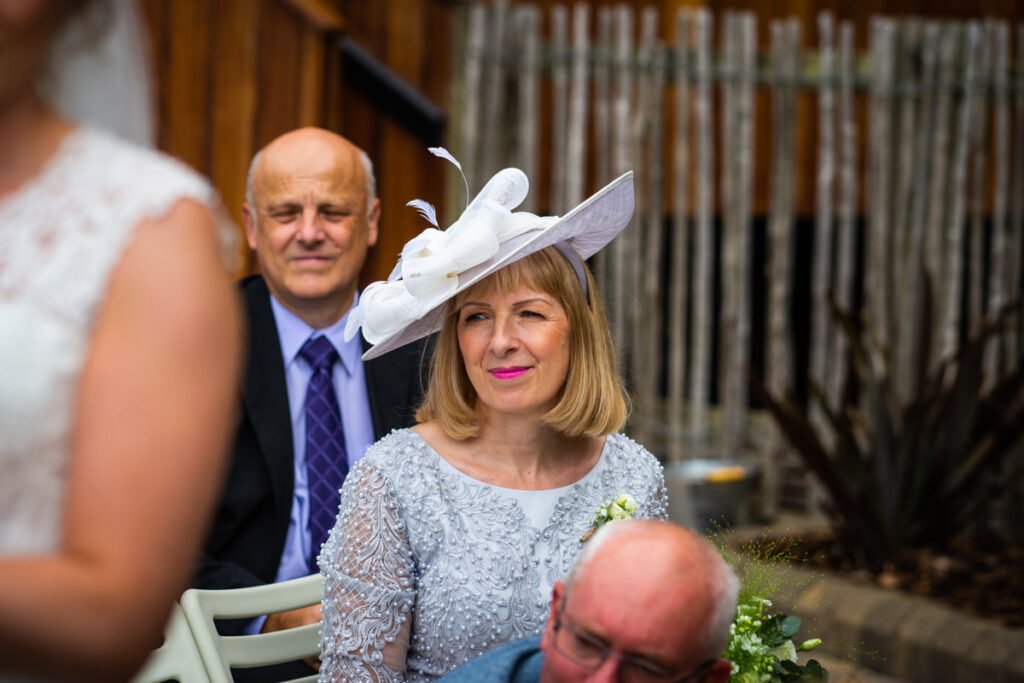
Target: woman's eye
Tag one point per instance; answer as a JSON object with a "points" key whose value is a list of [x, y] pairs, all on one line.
{"points": [[532, 314]]}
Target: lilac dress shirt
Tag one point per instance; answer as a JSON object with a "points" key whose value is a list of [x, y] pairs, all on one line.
{"points": [[350, 386]]}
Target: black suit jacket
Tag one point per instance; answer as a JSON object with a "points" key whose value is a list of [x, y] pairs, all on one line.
{"points": [[248, 534]]}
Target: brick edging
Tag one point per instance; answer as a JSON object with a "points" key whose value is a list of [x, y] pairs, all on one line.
{"points": [[901, 635]]}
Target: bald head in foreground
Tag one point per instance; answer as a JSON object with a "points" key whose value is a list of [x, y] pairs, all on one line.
{"points": [[646, 601], [311, 215]]}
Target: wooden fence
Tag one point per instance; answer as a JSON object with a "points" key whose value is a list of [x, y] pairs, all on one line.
{"points": [[917, 173]]}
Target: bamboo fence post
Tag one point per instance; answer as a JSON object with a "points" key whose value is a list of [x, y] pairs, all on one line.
{"points": [[527, 20], [978, 188], [938, 197], [998, 295], [908, 86], [846, 211], [956, 229], [494, 100], [470, 153], [728, 172], [622, 162], [680, 260], [602, 148], [633, 241], [913, 257], [1017, 204], [878, 268], [702, 292], [559, 106], [577, 158], [736, 380], [823, 230], [779, 376], [651, 306]]}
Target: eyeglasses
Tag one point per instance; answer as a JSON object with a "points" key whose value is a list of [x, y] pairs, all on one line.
{"points": [[590, 653]]}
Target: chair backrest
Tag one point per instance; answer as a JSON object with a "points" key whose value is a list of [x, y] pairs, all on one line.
{"points": [[178, 658], [220, 653]]}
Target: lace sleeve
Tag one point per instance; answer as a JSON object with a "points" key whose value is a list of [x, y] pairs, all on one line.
{"points": [[369, 585], [657, 503]]}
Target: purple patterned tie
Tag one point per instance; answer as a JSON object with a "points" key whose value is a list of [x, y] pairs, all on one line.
{"points": [[326, 459]]}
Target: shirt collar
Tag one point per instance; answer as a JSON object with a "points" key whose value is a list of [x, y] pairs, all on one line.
{"points": [[293, 332]]}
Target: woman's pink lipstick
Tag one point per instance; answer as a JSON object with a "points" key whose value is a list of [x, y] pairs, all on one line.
{"points": [[508, 373]]}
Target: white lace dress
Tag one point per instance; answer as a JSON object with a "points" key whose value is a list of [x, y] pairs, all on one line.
{"points": [[61, 236], [471, 565]]}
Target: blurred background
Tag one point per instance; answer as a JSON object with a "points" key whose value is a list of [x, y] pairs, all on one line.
{"points": [[817, 306]]}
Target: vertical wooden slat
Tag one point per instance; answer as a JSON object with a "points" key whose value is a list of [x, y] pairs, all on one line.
{"points": [[998, 294], [785, 64], [559, 105], [847, 207], [948, 37], [913, 282], [909, 83], [979, 189], [1016, 246], [956, 228], [527, 21], [278, 87], [703, 286], [576, 158], [878, 268], [470, 153], [185, 78], [635, 241], [823, 229], [311, 79], [728, 172], [652, 317], [622, 161], [739, 278], [233, 96], [680, 260], [491, 143], [602, 149]]}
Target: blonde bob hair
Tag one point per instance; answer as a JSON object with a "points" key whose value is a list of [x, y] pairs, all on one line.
{"points": [[593, 401]]}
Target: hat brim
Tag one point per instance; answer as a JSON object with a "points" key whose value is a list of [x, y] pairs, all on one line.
{"points": [[587, 229]]}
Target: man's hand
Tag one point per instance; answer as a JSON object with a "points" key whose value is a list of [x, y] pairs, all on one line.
{"points": [[280, 621]]}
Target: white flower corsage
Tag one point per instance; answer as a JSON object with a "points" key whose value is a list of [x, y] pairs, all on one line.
{"points": [[620, 507]]}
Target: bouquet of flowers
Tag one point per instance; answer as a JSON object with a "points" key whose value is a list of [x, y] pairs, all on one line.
{"points": [[761, 646]]}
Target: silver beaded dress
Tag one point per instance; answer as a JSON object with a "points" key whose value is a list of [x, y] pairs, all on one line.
{"points": [[427, 568]]}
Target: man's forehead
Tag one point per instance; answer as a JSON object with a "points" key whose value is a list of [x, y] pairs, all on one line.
{"points": [[318, 178]]}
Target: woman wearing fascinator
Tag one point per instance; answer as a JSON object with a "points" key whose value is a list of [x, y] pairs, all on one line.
{"points": [[119, 339], [451, 534]]}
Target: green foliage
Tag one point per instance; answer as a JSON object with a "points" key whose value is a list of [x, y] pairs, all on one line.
{"points": [[914, 471], [761, 646]]}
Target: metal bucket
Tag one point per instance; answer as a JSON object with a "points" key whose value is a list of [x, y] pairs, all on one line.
{"points": [[709, 495]]}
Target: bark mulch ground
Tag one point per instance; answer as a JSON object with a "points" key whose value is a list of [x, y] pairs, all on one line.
{"points": [[988, 582]]}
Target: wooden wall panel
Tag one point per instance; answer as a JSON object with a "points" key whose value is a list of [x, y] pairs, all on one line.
{"points": [[233, 95], [185, 80]]}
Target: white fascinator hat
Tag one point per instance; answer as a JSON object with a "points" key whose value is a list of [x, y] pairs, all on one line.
{"points": [[489, 235]]}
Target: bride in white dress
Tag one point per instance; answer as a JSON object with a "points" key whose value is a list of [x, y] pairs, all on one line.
{"points": [[119, 340]]}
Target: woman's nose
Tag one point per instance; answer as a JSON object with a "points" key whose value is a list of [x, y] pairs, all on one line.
{"points": [[504, 337]]}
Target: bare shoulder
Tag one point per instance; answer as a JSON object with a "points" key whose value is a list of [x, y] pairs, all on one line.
{"points": [[171, 275]]}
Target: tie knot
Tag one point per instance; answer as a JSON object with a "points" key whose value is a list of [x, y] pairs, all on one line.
{"points": [[319, 353]]}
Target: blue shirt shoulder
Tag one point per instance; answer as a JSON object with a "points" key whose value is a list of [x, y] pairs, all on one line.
{"points": [[515, 662]]}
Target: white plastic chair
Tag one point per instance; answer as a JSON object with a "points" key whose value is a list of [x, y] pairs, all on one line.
{"points": [[220, 653], [178, 658]]}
